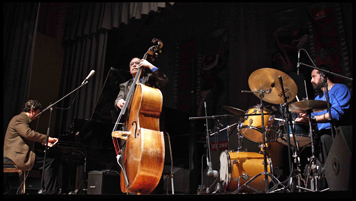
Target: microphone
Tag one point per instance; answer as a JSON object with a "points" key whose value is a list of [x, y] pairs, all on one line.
{"points": [[211, 172], [298, 63], [92, 72]]}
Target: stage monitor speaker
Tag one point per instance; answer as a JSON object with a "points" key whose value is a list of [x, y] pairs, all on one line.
{"points": [[338, 169], [103, 183]]}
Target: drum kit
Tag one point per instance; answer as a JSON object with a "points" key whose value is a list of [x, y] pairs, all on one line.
{"points": [[242, 171]]}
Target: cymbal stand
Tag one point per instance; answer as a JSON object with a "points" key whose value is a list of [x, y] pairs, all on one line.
{"points": [[289, 124], [239, 137], [228, 132], [265, 172], [312, 160], [313, 167]]}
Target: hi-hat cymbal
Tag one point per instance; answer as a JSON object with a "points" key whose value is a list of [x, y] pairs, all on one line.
{"points": [[234, 110], [306, 105], [266, 79]]}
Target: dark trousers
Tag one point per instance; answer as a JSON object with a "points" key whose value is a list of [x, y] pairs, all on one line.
{"points": [[50, 175], [324, 142]]}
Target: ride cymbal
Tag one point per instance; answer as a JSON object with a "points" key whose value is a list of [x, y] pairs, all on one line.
{"points": [[266, 79], [306, 105]]}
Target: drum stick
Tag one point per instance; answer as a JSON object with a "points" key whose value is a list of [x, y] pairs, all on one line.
{"points": [[297, 98], [278, 119], [306, 90]]}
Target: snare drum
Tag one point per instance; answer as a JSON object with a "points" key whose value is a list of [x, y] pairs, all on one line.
{"points": [[301, 135], [252, 127], [236, 168]]}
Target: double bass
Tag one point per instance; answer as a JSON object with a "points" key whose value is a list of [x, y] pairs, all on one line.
{"points": [[142, 159]]}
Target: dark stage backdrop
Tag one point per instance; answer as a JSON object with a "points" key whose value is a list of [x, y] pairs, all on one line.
{"points": [[85, 42], [318, 28], [328, 44], [19, 33], [202, 75]]}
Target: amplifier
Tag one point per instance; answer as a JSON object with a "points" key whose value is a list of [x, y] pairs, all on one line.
{"points": [[103, 182]]}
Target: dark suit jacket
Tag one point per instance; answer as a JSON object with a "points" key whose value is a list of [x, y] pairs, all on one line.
{"points": [[18, 142], [155, 79]]}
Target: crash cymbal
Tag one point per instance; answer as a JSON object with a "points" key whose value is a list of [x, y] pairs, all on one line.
{"points": [[306, 105], [234, 110], [266, 79]]}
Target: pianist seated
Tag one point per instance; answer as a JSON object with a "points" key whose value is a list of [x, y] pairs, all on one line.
{"points": [[19, 146]]}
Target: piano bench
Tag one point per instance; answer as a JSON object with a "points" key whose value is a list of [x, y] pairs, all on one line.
{"points": [[9, 167]]}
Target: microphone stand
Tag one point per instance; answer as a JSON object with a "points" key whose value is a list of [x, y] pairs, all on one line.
{"points": [[329, 72], [50, 107]]}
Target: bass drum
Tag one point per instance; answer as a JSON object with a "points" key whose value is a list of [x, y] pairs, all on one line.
{"points": [[236, 168]]}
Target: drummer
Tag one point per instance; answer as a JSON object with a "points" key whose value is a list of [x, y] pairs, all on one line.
{"points": [[339, 98]]}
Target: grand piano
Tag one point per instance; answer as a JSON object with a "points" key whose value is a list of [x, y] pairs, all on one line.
{"points": [[86, 145]]}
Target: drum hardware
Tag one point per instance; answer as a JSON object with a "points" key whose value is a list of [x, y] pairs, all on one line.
{"points": [[227, 127], [210, 171], [307, 106], [314, 180], [286, 116], [228, 131], [263, 83], [245, 176], [265, 172], [239, 138]]}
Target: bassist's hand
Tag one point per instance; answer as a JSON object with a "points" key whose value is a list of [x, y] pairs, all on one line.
{"points": [[120, 103]]}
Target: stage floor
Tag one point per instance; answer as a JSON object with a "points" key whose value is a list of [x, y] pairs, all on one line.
{"points": [[311, 195]]}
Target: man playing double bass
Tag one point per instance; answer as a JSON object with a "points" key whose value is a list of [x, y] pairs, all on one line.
{"points": [[156, 79]]}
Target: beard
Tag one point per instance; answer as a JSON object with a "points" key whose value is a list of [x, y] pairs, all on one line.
{"points": [[317, 87]]}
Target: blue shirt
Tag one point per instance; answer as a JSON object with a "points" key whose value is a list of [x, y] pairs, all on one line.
{"points": [[339, 98], [154, 69]]}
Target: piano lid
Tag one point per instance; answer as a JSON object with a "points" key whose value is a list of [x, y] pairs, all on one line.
{"points": [[104, 109]]}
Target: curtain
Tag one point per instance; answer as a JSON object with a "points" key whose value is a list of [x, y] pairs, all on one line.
{"points": [[85, 40], [18, 36], [81, 57], [249, 32], [88, 18]]}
